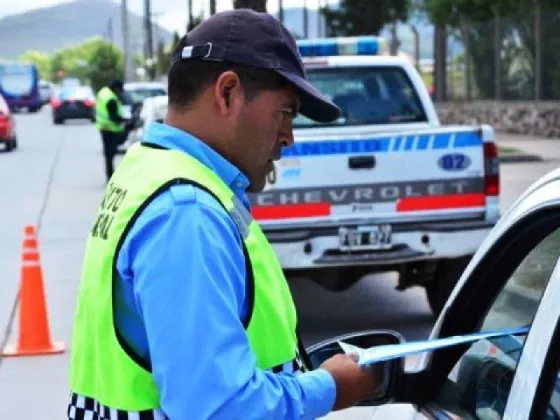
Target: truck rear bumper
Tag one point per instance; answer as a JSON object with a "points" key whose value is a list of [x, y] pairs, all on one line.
{"points": [[305, 248]]}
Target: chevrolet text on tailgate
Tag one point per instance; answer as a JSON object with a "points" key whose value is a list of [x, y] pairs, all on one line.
{"points": [[383, 188]]}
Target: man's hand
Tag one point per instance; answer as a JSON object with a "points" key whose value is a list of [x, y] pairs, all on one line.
{"points": [[354, 383]]}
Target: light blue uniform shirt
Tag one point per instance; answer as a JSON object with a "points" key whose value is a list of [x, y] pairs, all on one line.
{"points": [[181, 299]]}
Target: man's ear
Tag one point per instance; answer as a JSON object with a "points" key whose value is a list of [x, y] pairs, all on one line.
{"points": [[228, 93]]}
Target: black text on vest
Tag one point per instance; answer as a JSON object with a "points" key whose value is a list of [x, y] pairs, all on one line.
{"points": [[113, 198]]}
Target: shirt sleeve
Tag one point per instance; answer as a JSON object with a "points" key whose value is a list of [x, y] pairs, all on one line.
{"points": [[112, 110], [189, 287]]}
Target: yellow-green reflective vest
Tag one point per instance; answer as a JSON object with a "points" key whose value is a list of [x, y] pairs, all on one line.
{"points": [[103, 374], [102, 120]]}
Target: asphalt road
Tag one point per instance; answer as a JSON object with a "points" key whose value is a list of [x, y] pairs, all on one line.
{"points": [[55, 180]]}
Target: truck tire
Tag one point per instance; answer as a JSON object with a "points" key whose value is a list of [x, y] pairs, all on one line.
{"points": [[446, 277]]}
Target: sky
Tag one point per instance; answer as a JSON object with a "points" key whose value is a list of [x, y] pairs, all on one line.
{"points": [[170, 14]]}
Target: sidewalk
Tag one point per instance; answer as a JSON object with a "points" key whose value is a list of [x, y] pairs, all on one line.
{"points": [[532, 148]]}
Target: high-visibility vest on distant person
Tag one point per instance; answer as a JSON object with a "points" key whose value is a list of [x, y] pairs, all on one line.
{"points": [[102, 120], [105, 375]]}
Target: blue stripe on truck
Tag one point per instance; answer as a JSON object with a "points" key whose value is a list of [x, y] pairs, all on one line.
{"points": [[385, 144]]}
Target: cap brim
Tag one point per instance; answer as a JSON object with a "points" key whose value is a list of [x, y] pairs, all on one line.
{"points": [[314, 105]]}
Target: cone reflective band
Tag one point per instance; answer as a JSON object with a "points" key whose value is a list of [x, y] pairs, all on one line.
{"points": [[34, 333], [329, 47]]}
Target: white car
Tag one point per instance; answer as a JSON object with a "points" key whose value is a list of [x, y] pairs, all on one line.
{"points": [[512, 281], [153, 109], [46, 89]]}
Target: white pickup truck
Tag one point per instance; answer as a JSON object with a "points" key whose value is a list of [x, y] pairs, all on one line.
{"points": [[384, 188]]}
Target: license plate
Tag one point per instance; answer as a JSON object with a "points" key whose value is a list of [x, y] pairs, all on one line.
{"points": [[365, 238]]}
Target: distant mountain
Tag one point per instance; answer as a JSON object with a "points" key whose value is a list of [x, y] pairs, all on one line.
{"points": [[52, 28]]}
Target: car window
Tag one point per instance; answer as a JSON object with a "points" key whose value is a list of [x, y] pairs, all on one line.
{"points": [[479, 384], [137, 95], [82, 92], [382, 95]]}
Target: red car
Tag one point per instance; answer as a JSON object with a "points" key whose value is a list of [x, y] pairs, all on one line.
{"points": [[7, 127]]}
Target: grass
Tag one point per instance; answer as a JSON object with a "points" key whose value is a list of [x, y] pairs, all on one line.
{"points": [[508, 150]]}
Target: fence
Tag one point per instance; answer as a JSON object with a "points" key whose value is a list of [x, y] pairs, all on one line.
{"points": [[508, 58]]}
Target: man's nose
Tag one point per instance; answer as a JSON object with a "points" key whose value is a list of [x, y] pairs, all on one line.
{"points": [[287, 135]]}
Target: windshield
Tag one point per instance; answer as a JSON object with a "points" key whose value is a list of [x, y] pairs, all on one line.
{"points": [[366, 96], [75, 93], [138, 95], [16, 80]]}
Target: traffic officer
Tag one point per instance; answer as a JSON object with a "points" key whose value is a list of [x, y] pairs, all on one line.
{"points": [[110, 122], [183, 310]]}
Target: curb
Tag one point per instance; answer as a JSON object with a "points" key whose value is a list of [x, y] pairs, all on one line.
{"points": [[519, 158]]}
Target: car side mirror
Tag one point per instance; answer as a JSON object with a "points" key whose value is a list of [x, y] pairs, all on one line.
{"points": [[392, 371]]}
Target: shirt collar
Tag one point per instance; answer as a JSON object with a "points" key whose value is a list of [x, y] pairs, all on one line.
{"points": [[175, 139]]}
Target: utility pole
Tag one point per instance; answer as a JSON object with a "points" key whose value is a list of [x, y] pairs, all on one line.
{"points": [[149, 46], [156, 28], [212, 7], [305, 20], [126, 40], [319, 15], [110, 29], [281, 11], [191, 16]]}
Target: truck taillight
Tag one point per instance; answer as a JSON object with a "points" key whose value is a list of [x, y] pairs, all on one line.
{"points": [[491, 169], [89, 103]]}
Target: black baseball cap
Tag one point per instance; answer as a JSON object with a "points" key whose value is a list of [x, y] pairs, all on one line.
{"points": [[256, 39], [117, 84]]}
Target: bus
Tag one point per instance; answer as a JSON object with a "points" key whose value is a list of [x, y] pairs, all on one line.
{"points": [[19, 85]]}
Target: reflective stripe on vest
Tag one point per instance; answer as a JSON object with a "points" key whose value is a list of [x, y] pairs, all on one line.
{"points": [[104, 370], [102, 119]]}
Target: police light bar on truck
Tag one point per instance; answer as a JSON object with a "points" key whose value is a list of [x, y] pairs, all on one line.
{"points": [[328, 47]]}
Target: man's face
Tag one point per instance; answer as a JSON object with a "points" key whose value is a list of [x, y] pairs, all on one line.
{"points": [[263, 127]]}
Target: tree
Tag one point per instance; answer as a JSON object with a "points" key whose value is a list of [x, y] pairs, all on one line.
{"points": [[194, 22], [106, 64], [256, 5], [475, 23], [41, 60], [163, 58], [363, 17]]}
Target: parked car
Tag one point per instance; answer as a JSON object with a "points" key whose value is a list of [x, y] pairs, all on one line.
{"points": [[7, 127], [513, 280], [76, 102], [133, 99], [153, 109], [46, 90], [138, 91]]}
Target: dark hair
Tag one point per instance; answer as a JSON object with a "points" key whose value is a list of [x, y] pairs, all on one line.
{"points": [[189, 78]]}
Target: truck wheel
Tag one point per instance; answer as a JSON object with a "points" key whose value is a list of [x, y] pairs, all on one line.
{"points": [[446, 277]]}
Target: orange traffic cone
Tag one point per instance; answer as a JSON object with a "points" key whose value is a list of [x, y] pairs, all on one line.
{"points": [[34, 335]]}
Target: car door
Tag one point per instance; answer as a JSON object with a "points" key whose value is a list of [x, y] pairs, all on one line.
{"points": [[500, 289], [535, 391]]}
